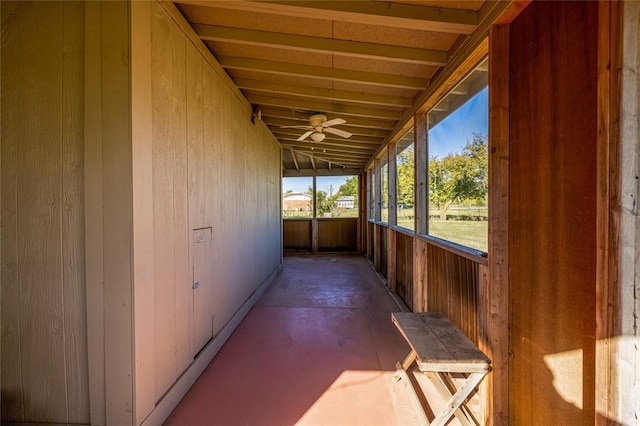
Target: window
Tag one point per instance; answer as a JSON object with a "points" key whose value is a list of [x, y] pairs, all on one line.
{"points": [[384, 183], [372, 194], [458, 163], [337, 196], [297, 198], [405, 171]]}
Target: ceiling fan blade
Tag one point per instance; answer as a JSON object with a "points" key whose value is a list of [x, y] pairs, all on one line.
{"points": [[303, 137], [338, 132], [333, 122], [296, 127]]}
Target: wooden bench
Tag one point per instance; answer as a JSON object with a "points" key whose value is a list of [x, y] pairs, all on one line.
{"points": [[438, 347]]}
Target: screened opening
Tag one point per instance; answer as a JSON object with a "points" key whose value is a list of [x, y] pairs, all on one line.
{"points": [[458, 163], [384, 184], [337, 196], [297, 197], [405, 173]]}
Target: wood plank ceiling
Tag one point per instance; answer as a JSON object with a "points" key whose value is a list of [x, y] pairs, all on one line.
{"points": [[362, 61]]}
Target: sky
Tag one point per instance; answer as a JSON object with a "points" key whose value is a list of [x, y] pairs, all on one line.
{"points": [[452, 134], [448, 136], [323, 183]]}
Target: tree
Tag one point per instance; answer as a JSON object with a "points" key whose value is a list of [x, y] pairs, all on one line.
{"points": [[348, 188], [405, 170], [324, 204], [460, 177]]}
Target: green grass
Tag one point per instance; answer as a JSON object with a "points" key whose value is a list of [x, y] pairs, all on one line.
{"points": [[468, 233]]}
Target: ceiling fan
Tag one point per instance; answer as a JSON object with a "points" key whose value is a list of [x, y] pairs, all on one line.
{"points": [[318, 124]]}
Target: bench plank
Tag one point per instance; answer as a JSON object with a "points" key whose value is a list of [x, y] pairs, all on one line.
{"points": [[438, 343]]}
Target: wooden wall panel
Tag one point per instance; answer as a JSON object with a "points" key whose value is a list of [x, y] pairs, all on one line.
{"points": [[338, 234], [382, 249], [44, 347], [404, 267], [452, 288], [420, 276], [552, 207], [371, 243], [297, 235], [168, 60], [213, 168]]}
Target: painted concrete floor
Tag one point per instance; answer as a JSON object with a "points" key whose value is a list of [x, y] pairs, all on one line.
{"points": [[319, 348]]}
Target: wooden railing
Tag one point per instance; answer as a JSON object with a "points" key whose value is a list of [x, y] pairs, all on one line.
{"points": [[321, 235], [431, 275]]}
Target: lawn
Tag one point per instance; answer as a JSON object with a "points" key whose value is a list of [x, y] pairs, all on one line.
{"points": [[468, 233]]}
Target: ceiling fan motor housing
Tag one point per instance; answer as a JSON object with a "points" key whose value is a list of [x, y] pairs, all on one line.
{"points": [[317, 120]]}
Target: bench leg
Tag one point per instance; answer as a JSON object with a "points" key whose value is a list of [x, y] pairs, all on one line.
{"points": [[407, 361], [458, 398], [446, 389]]}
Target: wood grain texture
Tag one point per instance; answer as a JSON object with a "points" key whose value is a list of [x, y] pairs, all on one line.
{"points": [[117, 208], [11, 377], [338, 234], [452, 288], [391, 259], [552, 205], [212, 168], [622, 393], [94, 216], [297, 235], [383, 249], [420, 275], [39, 222], [73, 249], [494, 297], [168, 60], [44, 348], [404, 267], [143, 232]]}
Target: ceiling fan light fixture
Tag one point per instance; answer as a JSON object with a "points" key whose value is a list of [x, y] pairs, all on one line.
{"points": [[317, 137]]}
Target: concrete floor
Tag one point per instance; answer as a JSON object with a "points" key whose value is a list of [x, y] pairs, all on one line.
{"points": [[318, 349]]}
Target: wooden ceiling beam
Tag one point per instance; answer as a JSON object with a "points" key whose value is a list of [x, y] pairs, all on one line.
{"points": [[323, 73], [339, 109], [415, 17], [330, 46], [333, 157], [323, 94], [323, 172], [334, 140], [289, 117], [341, 147], [295, 160]]}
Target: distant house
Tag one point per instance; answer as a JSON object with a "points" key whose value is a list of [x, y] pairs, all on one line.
{"points": [[346, 202], [296, 201]]}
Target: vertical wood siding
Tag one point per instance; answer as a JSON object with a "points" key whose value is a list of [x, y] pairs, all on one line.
{"points": [[44, 347], [338, 234], [211, 168], [404, 267], [297, 234], [552, 208], [452, 289]]}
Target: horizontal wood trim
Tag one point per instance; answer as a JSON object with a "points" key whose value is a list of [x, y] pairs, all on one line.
{"points": [[462, 251]]}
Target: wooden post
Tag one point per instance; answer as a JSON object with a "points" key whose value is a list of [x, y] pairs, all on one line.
{"points": [[616, 218], [420, 177], [420, 216], [494, 296], [314, 221]]}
